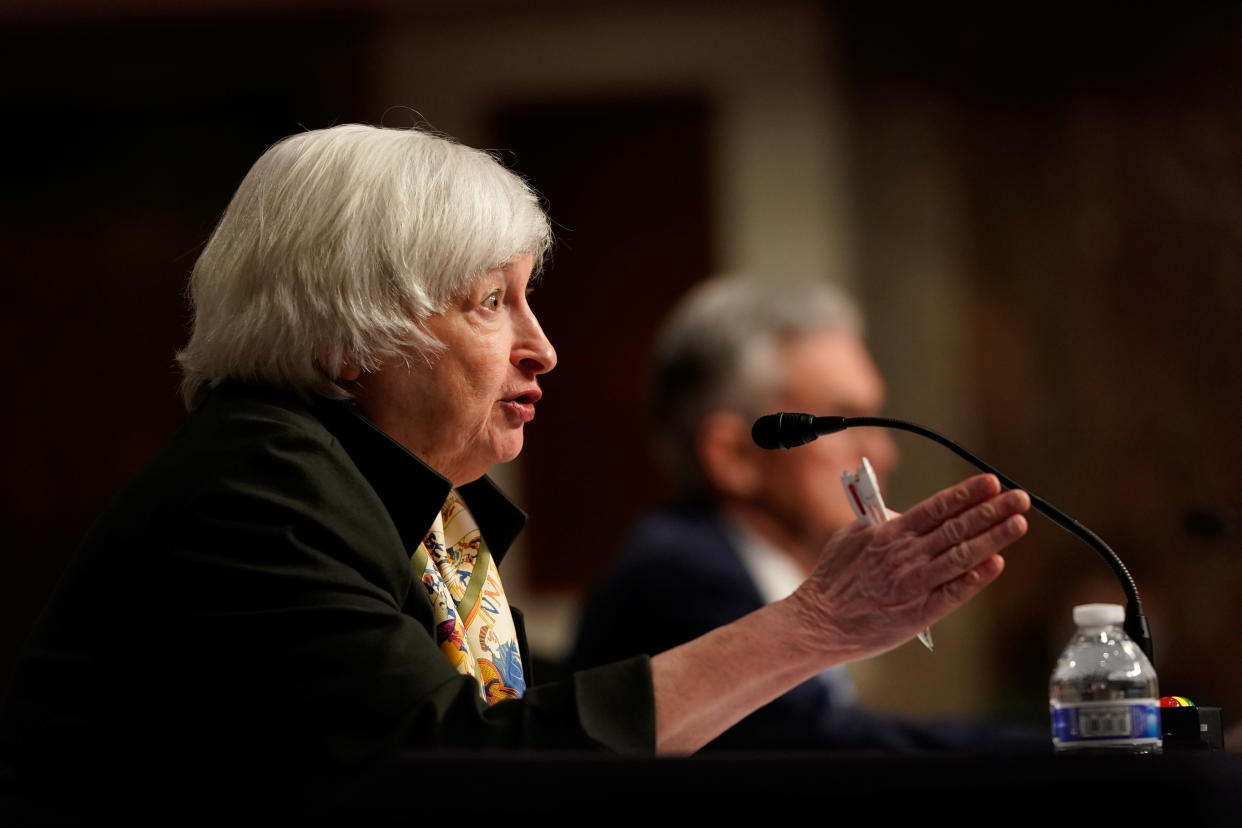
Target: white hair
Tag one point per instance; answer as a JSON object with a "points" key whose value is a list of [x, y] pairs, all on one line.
{"points": [[337, 247], [718, 351]]}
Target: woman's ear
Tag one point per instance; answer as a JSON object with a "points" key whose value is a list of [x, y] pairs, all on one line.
{"points": [[727, 455], [349, 372]]}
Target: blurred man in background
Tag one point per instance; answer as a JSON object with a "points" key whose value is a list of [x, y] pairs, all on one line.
{"points": [[748, 524]]}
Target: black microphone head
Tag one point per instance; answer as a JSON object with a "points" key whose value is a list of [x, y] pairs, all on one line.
{"points": [[783, 431]]}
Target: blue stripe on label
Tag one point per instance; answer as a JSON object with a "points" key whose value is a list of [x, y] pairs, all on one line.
{"points": [[1099, 721]]}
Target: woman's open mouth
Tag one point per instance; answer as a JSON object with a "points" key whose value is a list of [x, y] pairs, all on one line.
{"points": [[522, 406]]}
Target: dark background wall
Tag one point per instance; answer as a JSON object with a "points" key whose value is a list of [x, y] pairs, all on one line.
{"points": [[125, 139], [1095, 166]]}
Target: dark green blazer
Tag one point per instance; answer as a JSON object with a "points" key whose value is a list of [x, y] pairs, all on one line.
{"points": [[248, 599]]}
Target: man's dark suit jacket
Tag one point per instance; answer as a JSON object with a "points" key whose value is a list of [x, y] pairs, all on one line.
{"points": [[680, 576], [248, 600]]}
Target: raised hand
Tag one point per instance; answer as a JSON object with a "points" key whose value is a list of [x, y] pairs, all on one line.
{"points": [[875, 587]]}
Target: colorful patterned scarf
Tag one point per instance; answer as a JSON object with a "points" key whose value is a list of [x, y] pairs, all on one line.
{"points": [[474, 627]]}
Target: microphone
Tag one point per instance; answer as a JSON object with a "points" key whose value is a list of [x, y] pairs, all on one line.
{"points": [[786, 431]]}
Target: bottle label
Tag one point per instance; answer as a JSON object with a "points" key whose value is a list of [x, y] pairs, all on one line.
{"points": [[1104, 723]]}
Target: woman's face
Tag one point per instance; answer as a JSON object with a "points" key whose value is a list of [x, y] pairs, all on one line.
{"points": [[466, 411]]}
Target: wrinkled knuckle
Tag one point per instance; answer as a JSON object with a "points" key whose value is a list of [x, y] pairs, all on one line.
{"points": [[954, 532], [988, 512], [946, 507], [959, 589], [960, 556]]}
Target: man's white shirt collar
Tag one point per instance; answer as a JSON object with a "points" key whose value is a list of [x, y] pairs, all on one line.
{"points": [[776, 576]]}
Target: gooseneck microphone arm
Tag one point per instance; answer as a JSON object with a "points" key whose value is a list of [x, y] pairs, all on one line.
{"points": [[784, 431]]}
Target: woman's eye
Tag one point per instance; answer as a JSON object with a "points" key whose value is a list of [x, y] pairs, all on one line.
{"points": [[492, 302]]}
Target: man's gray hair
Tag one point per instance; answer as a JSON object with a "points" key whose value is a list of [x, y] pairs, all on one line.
{"points": [[337, 247], [718, 351]]}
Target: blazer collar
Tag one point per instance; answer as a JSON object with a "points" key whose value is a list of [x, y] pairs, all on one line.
{"points": [[411, 490]]}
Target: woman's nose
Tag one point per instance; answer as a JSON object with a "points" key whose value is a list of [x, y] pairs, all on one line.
{"points": [[533, 352]]}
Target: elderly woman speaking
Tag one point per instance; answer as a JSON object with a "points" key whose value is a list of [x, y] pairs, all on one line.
{"points": [[309, 570]]}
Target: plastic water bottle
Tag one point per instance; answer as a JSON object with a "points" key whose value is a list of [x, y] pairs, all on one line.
{"points": [[1103, 692]]}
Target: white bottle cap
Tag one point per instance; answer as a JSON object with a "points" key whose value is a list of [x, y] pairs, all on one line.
{"points": [[1098, 615]]}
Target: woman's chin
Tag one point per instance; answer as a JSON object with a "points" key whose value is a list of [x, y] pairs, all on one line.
{"points": [[513, 446], [505, 450]]}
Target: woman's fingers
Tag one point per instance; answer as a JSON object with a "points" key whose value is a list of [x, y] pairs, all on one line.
{"points": [[964, 526], [976, 520], [952, 595], [940, 507], [968, 555]]}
